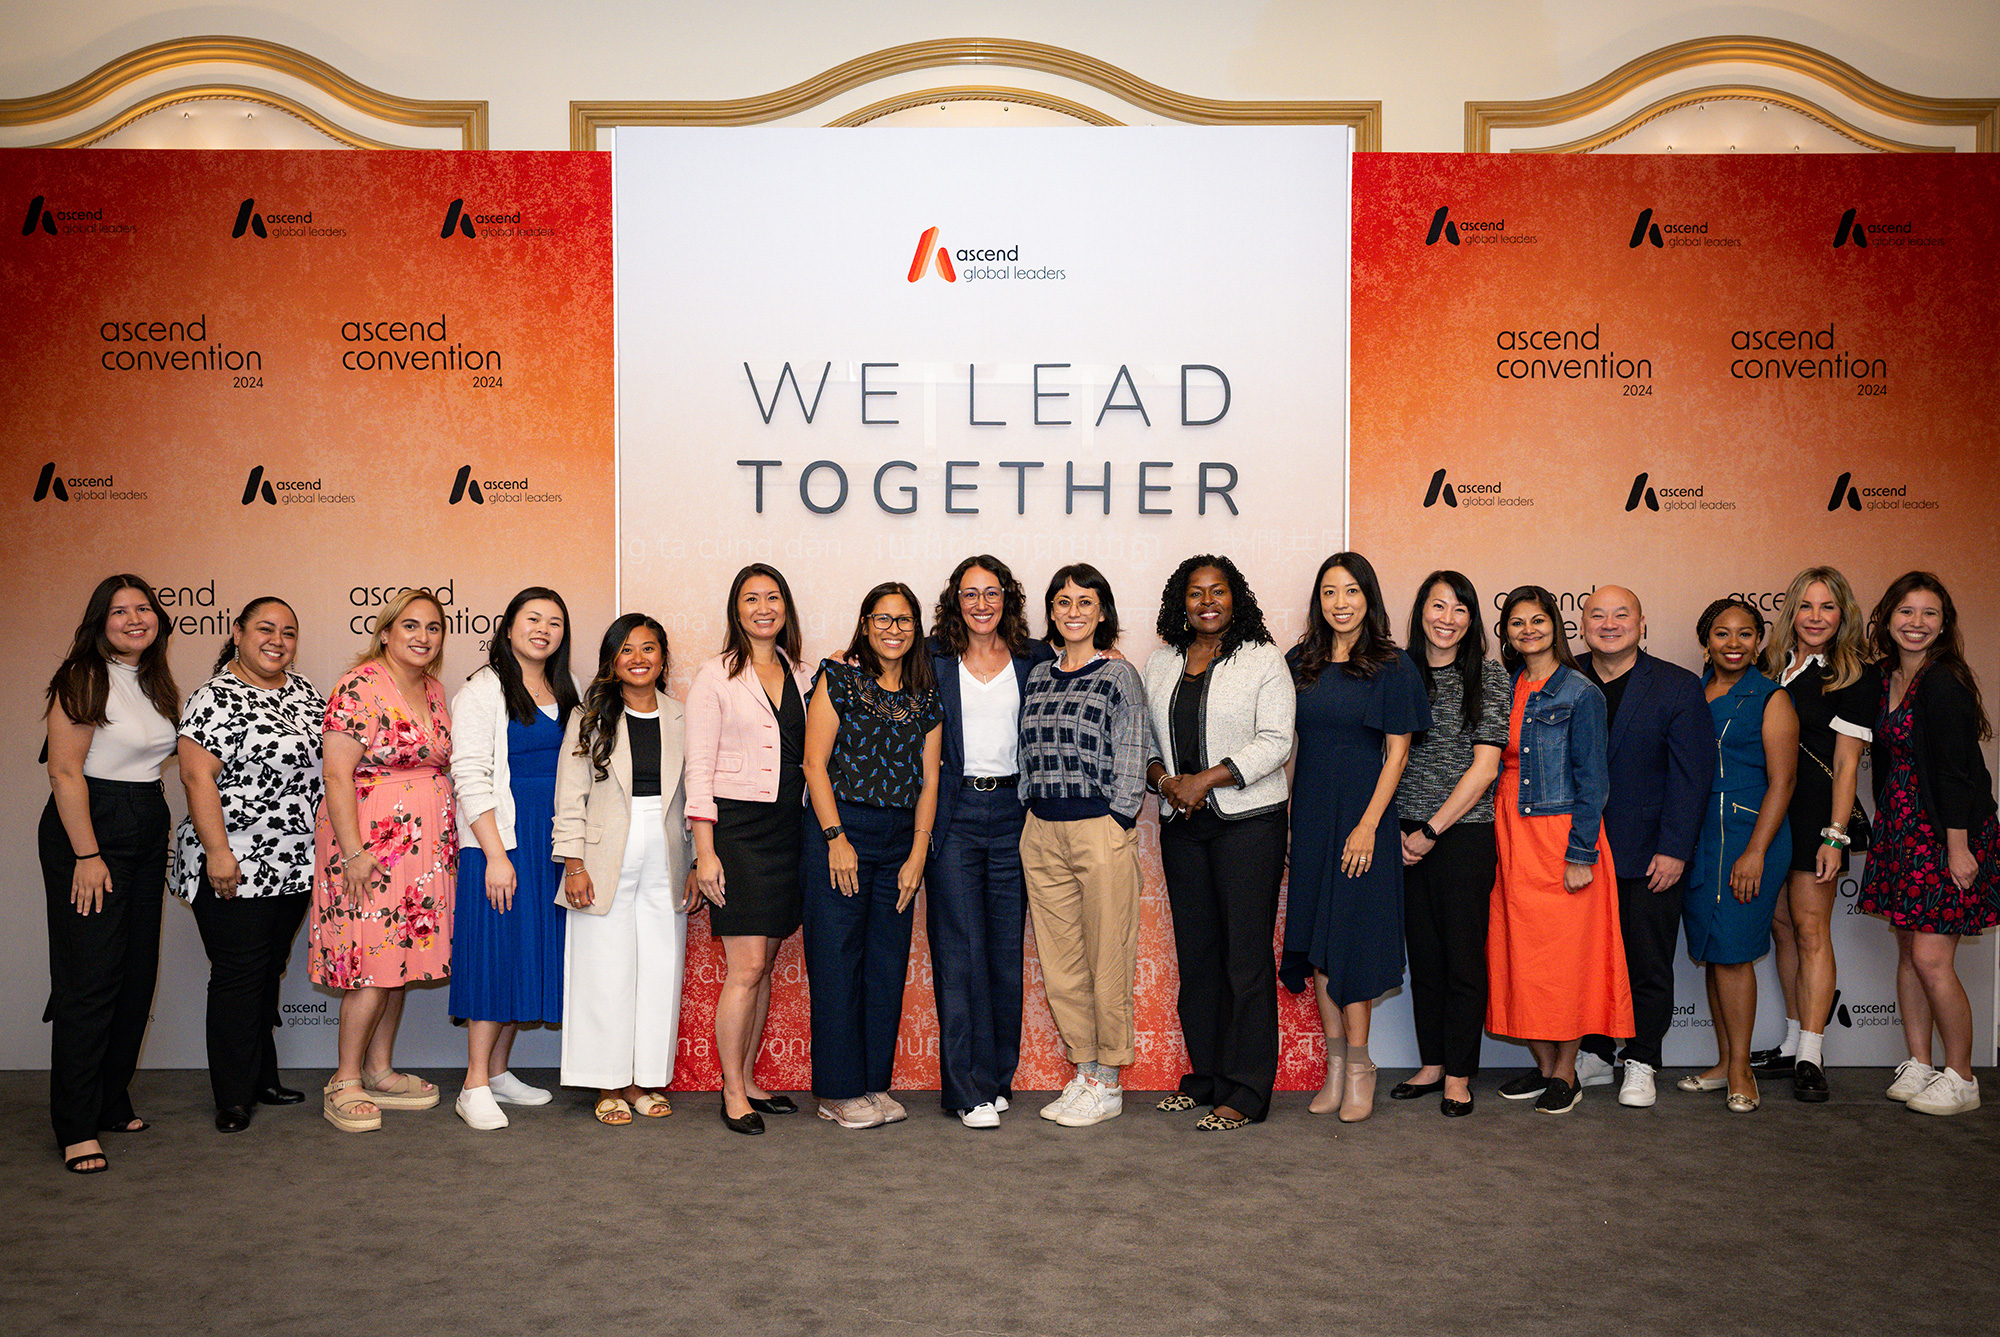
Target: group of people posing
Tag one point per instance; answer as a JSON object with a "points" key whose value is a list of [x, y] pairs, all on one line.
{"points": [[1531, 835]]}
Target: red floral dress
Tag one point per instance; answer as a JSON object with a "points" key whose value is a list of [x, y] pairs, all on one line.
{"points": [[1908, 878], [399, 929]]}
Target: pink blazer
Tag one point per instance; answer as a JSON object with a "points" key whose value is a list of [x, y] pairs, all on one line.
{"points": [[732, 737]]}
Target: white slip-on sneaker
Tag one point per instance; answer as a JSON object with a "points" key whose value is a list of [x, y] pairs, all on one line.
{"points": [[1639, 1090], [1000, 1103], [1912, 1076], [511, 1090], [985, 1115], [475, 1105], [1094, 1103], [1591, 1070], [1948, 1093], [1054, 1109]]}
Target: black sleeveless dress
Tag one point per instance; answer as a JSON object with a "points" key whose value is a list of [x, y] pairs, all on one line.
{"points": [[759, 843]]}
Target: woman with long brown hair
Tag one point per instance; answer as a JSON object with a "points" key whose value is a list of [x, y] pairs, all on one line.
{"points": [[1934, 869], [112, 707]]}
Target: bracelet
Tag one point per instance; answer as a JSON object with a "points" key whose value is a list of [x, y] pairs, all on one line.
{"points": [[352, 857], [1833, 835], [92, 855], [578, 872]]}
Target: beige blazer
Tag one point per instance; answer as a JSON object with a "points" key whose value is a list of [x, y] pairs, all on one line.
{"points": [[593, 817]]}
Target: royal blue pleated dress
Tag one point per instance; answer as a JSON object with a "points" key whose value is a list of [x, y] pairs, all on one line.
{"points": [[510, 967]]}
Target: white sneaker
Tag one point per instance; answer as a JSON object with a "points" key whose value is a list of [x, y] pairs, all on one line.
{"points": [[1094, 1103], [1054, 1109], [1638, 1092], [475, 1105], [1948, 1093], [1000, 1103], [511, 1090], [1591, 1070], [986, 1115], [1912, 1076]]}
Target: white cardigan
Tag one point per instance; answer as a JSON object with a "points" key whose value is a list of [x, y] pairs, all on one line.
{"points": [[479, 757], [1247, 722]]}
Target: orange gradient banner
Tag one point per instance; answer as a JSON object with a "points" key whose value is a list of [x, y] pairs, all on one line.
{"points": [[320, 375]]}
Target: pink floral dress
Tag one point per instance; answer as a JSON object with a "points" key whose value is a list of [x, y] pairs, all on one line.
{"points": [[399, 929]]}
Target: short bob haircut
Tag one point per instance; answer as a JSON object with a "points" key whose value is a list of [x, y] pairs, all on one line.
{"points": [[1085, 577]]}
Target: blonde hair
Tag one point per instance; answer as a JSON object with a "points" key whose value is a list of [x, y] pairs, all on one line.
{"points": [[1849, 651], [386, 619]]}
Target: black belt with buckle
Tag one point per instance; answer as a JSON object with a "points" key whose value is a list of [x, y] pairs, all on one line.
{"points": [[986, 784]]}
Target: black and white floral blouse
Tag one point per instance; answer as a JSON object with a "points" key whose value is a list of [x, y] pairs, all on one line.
{"points": [[268, 741]]}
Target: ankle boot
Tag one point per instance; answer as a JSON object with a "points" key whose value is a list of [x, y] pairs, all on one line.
{"points": [[1360, 1100], [1328, 1099]]}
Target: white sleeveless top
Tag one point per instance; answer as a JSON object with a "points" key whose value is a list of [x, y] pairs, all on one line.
{"points": [[136, 739]]}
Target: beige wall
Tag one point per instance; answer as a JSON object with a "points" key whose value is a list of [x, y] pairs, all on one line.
{"points": [[529, 58]]}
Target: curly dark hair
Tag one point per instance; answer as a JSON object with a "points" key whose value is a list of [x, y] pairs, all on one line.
{"points": [[604, 700], [948, 628], [1246, 619], [1706, 622], [1374, 647]]}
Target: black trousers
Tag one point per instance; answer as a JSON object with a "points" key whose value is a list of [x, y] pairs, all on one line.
{"points": [[249, 939], [1447, 898], [976, 906], [102, 966], [1222, 883], [1651, 923]]}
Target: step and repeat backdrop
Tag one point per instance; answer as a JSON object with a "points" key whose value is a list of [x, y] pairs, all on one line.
{"points": [[861, 355], [1691, 376], [325, 376]]}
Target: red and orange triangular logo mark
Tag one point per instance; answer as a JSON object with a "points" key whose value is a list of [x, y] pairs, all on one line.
{"points": [[922, 259]]}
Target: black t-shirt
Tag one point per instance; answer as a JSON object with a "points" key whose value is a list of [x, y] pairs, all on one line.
{"points": [[1614, 690], [642, 735], [1187, 724]]}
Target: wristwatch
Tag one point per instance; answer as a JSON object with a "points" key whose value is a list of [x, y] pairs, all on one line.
{"points": [[830, 832], [1430, 832]]}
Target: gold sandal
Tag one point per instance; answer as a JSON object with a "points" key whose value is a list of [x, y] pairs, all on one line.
{"points": [[653, 1105], [613, 1112], [342, 1101], [392, 1090]]}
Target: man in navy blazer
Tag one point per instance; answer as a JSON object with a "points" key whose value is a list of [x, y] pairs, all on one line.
{"points": [[1662, 755]]}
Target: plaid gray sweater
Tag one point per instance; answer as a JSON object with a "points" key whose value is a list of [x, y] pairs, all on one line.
{"points": [[1083, 736]]}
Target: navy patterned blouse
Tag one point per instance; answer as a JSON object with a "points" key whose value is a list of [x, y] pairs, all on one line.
{"points": [[878, 755]]}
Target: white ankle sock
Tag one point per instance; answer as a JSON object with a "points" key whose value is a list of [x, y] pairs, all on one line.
{"points": [[1809, 1046], [1790, 1044]]}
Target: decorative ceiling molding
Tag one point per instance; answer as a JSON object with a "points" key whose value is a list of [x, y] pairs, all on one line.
{"points": [[1026, 97], [1981, 114], [1667, 106], [105, 83], [587, 117]]}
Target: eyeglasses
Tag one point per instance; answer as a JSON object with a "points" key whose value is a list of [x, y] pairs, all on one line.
{"points": [[891, 621], [988, 596]]}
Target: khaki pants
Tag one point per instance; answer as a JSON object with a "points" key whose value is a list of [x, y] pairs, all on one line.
{"points": [[1083, 892]]}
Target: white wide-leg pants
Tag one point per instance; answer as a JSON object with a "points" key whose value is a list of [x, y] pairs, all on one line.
{"points": [[622, 971]]}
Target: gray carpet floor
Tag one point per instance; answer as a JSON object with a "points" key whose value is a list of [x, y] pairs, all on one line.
{"points": [[1855, 1216]]}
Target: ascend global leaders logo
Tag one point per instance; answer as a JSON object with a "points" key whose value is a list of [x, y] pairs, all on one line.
{"points": [[974, 263], [464, 487]]}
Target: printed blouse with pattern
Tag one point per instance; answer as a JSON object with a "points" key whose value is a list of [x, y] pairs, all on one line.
{"points": [[271, 783]]}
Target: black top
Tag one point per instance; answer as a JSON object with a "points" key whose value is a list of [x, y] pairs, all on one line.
{"points": [[791, 713], [878, 755], [1189, 698], [1952, 780], [1614, 691], [642, 735], [1818, 708]]}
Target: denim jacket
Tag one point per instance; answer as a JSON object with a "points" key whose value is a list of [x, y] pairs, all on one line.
{"points": [[1563, 768]]}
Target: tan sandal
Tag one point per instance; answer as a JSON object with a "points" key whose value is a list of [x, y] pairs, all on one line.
{"points": [[343, 1103], [653, 1105], [394, 1090], [613, 1112]]}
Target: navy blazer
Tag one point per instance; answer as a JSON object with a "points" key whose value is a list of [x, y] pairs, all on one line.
{"points": [[1663, 759], [951, 764]]}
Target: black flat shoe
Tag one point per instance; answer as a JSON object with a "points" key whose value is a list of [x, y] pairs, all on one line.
{"points": [[232, 1118], [75, 1164], [280, 1095], [1771, 1061], [1454, 1109], [1809, 1082], [775, 1105], [133, 1125], [751, 1123], [1411, 1090]]}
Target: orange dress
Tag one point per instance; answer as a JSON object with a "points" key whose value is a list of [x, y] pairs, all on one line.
{"points": [[1555, 961]]}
